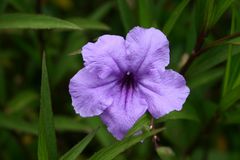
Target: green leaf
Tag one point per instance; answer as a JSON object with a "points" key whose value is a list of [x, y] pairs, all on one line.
{"points": [[145, 12], [230, 98], [126, 15], [88, 24], [222, 6], [187, 113], [165, 153], [47, 148], [22, 100], [33, 21], [22, 5], [112, 151], [2, 86], [229, 58], [174, 16], [205, 78], [78, 148], [232, 117], [210, 59], [237, 82], [103, 136], [142, 123], [17, 124], [64, 123], [209, 15], [3, 4], [100, 12]]}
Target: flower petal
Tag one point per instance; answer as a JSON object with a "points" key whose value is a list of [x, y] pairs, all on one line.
{"points": [[106, 56], [147, 48], [127, 108], [90, 94], [164, 94]]}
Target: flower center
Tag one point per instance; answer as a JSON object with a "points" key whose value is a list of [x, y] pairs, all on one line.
{"points": [[128, 80]]}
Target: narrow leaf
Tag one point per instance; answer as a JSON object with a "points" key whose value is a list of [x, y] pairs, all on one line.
{"points": [[17, 124], [175, 15], [144, 121], [209, 14], [88, 24], [229, 58], [126, 15], [47, 148], [78, 148], [33, 21], [187, 113], [205, 78], [230, 98], [232, 117], [210, 59], [112, 151], [100, 12], [64, 123], [22, 100], [145, 13], [221, 9]]}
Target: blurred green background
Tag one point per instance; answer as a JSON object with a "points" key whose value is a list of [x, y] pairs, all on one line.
{"points": [[204, 46]]}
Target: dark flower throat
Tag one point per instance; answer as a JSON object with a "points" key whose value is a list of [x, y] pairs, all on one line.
{"points": [[128, 80]]}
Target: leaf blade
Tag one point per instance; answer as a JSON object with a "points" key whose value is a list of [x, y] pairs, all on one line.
{"points": [[230, 98], [145, 15], [112, 151], [47, 148], [173, 18], [125, 14], [34, 21], [79, 147]]}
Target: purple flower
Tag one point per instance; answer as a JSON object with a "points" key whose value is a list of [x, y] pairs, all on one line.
{"points": [[124, 78]]}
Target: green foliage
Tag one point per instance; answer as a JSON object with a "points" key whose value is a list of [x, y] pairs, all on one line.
{"points": [[230, 98], [205, 31], [88, 24], [112, 151], [47, 148], [78, 148], [125, 13], [145, 13], [172, 20], [165, 153], [14, 123], [31, 21]]}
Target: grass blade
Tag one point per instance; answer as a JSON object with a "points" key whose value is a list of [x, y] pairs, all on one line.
{"points": [[78, 148], [145, 13], [221, 8], [229, 58], [33, 21], [112, 151], [126, 15], [76, 124], [17, 124], [47, 148], [173, 18], [88, 24], [230, 98], [100, 12]]}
